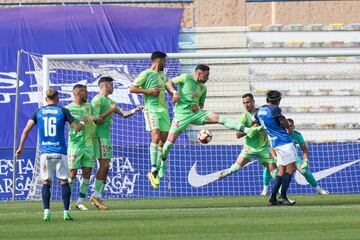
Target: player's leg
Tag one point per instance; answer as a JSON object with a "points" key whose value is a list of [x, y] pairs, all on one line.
{"points": [[46, 173], [309, 177], [103, 152], [62, 173], [277, 185], [244, 158], [231, 124], [286, 156], [164, 132], [270, 170], [266, 182]]}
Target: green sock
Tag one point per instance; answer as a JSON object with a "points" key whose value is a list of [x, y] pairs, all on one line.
{"points": [[84, 187], [274, 173], [71, 184], [310, 178], [159, 158], [153, 154], [235, 167], [233, 125], [102, 189], [166, 149], [98, 184], [266, 177]]}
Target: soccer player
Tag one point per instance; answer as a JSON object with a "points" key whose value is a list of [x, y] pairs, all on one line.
{"points": [[302, 165], [51, 120], [81, 144], [152, 84], [258, 145], [275, 125], [190, 99], [105, 107]]}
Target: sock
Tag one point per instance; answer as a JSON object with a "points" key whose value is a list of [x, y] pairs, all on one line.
{"points": [[80, 200], [310, 179], [46, 195], [66, 195], [159, 158], [84, 187], [47, 211], [166, 149], [233, 125], [98, 185], [266, 177], [102, 189], [274, 173], [154, 154], [235, 167], [285, 183], [275, 188], [71, 183]]}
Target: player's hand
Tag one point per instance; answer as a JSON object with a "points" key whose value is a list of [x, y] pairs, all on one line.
{"points": [[19, 151], [175, 97], [84, 119], [155, 91], [139, 108], [99, 120], [113, 107], [195, 108]]}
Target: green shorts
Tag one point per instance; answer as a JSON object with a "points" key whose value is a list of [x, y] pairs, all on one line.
{"points": [[262, 153], [102, 148], [181, 121], [81, 157], [157, 120]]}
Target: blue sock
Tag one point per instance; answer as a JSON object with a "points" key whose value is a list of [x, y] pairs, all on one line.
{"points": [[285, 182], [276, 187], [45, 192], [66, 195]]}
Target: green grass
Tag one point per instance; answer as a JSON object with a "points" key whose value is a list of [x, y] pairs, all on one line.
{"points": [[314, 217]]}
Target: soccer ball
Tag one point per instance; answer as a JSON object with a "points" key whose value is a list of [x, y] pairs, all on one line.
{"points": [[204, 136]]}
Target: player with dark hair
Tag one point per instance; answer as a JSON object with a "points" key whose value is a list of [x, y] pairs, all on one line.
{"points": [[257, 146], [302, 164], [275, 125], [152, 84], [189, 101], [105, 107], [81, 144], [51, 122]]}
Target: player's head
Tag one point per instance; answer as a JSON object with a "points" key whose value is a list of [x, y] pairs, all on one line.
{"points": [[106, 84], [248, 102], [291, 124], [159, 58], [202, 73], [80, 92], [273, 97], [52, 96]]}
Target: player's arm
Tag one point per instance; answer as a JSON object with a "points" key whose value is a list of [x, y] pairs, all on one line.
{"points": [[30, 124], [95, 116], [139, 82], [71, 120], [170, 86], [127, 114], [242, 121], [276, 112], [305, 151]]}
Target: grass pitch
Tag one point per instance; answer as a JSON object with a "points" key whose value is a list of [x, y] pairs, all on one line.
{"points": [[314, 217]]}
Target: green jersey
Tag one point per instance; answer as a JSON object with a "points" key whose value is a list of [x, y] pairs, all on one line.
{"points": [[85, 137], [259, 140], [101, 105], [149, 79], [297, 138], [191, 93]]}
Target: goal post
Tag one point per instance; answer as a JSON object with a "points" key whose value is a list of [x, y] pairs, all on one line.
{"points": [[320, 92]]}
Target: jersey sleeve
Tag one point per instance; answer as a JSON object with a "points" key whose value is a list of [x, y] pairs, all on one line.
{"points": [[301, 139], [180, 79], [68, 117], [276, 112], [141, 79], [242, 119], [96, 103], [34, 116]]}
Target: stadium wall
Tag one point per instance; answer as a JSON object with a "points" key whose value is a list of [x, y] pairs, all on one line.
{"points": [[205, 13]]}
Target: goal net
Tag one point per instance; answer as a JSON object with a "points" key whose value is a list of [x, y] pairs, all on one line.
{"points": [[320, 93]]}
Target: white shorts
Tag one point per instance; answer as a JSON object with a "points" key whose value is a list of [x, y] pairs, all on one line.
{"points": [[285, 154], [50, 162]]}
